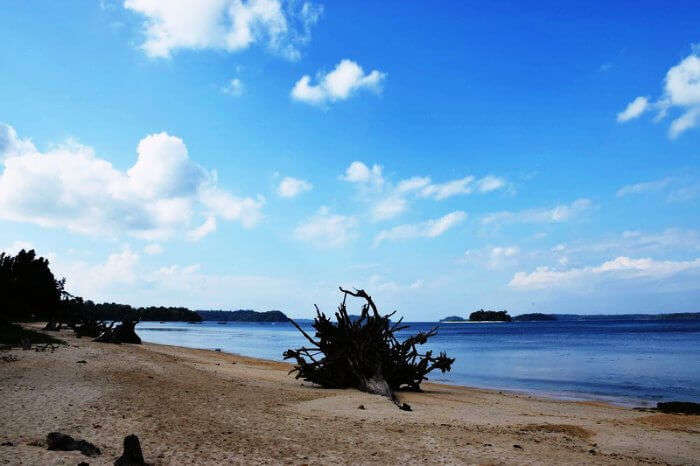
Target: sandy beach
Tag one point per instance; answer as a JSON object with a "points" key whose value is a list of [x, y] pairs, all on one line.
{"points": [[203, 407]]}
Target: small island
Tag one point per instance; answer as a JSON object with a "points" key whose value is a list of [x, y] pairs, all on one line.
{"points": [[453, 319], [244, 315], [489, 316]]}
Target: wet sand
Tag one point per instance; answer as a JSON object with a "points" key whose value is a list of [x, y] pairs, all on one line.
{"points": [[203, 407]]}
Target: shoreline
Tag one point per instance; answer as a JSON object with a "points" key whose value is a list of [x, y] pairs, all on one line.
{"points": [[554, 396], [628, 401], [203, 406]]}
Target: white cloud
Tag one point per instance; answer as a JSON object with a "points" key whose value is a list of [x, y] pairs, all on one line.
{"points": [[203, 230], [234, 88], [619, 268], [678, 189], [93, 281], [389, 208], [448, 189], [326, 230], [345, 80], [686, 121], [412, 184], [230, 25], [681, 91], [358, 172], [153, 249], [558, 214], [633, 109], [291, 187], [428, 229], [11, 145], [465, 185], [644, 187], [490, 183], [496, 257], [163, 193]]}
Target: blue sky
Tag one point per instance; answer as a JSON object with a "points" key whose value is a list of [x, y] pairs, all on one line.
{"points": [[532, 156]]}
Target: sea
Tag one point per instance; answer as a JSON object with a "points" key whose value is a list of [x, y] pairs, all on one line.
{"points": [[626, 362]]}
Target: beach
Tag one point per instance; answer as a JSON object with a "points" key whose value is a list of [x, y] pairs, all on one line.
{"points": [[192, 406]]}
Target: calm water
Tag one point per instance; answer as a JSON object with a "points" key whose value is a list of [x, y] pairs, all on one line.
{"points": [[629, 362]]}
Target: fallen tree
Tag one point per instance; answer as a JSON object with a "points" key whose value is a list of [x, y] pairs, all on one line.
{"points": [[122, 333], [364, 353]]}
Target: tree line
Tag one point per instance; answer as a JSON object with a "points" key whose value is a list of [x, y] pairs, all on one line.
{"points": [[29, 291]]}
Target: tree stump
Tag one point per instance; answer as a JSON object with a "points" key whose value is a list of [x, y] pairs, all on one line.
{"points": [[132, 456]]}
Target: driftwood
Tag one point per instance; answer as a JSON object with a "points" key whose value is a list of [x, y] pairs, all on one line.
{"points": [[90, 328], [122, 333], [364, 353], [63, 442], [132, 456]]}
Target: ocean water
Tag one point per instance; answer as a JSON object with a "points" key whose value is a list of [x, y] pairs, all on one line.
{"points": [[625, 362]]}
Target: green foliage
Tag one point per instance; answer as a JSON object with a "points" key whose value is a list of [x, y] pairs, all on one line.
{"points": [[28, 289]]}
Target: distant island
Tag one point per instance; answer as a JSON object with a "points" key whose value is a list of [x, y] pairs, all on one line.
{"points": [[534, 317], [480, 316], [453, 319], [244, 315], [489, 316]]}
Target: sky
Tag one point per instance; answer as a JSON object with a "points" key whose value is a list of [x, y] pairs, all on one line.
{"points": [[445, 157]]}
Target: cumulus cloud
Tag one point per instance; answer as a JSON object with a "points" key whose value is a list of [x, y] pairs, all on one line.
{"points": [[344, 81], [234, 88], [681, 92], [326, 230], [621, 267], [292, 187], [557, 214], [229, 25], [163, 193], [358, 172], [428, 229]]}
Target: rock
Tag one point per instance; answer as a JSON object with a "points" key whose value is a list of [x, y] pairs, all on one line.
{"points": [[63, 442], [592, 451], [7, 444], [518, 447], [132, 456], [82, 361], [361, 407], [679, 407]]}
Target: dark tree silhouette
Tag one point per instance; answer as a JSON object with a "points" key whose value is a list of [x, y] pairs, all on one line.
{"points": [[364, 353], [28, 289]]}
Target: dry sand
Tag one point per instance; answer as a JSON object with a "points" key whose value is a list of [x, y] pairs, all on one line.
{"points": [[203, 407]]}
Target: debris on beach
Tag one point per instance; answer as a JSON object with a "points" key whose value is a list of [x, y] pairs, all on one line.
{"points": [[63, 442], [132, 456], [364, 353], [122, 333]]}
